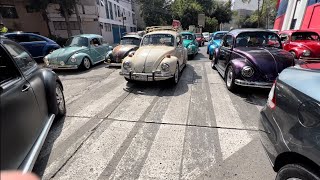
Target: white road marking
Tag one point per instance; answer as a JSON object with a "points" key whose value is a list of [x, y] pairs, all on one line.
{"points": [[165, 155], [93, 156]]}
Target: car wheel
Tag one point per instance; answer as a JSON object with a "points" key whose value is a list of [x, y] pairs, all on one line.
{"points": [[293, 54], [60, 101], [210, 56], [176, 76], [129, 80], [295, 171], [86, 64], [229, 79]]}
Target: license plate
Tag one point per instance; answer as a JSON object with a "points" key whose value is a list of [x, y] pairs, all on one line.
{"points": [[141, 77]]}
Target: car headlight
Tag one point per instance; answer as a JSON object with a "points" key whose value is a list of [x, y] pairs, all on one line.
{"points": [[247, 71], [46, 61], [306, 53], [165, 67], [73, 59], [126, 65]]}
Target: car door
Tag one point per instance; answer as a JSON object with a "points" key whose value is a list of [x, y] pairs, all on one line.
{"points": [[225, 52], [21, 120], [179, 49], [96, 53], [33, 44]]}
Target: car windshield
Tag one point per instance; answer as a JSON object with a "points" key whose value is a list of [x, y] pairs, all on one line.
{"points": [[187, 36], [158, 39], [205, 34], [218, 36], [258, 39], [301, 36], [130, 41], [198, 35], [77, 41]]}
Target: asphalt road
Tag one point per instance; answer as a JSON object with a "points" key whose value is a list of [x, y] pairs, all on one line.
{"points": [[119, 130]]}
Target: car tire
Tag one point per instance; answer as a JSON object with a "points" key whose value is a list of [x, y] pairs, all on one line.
{"points": [[293, 54], [129, 80], [296, 171], [86, 64], [230, 78], [176, 76], [210, 56], [60, 101]]}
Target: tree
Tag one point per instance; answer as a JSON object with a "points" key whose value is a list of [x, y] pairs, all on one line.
{"points": [[186, 11], [211, 24], [222, 11]]}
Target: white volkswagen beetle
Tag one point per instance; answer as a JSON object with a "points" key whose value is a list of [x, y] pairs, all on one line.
{"points": [[161, 56]]}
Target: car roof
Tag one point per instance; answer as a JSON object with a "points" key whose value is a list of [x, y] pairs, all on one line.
{"points": [[187, 32], [217, 32], [132, 36], [89, 36], [236, 32], [293, 31], [174, 33]]}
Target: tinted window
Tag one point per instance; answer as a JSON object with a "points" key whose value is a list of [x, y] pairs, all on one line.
{"points": [[19, 38], [258, 39], [35, 38], [7, 68], [21, 57]]}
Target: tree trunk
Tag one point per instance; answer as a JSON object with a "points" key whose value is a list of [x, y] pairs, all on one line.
{"points": [[66, 16], [46, 19], [78, 18]]}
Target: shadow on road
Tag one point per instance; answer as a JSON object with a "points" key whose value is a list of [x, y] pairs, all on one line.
{"points": [[64, 72], [45, 152]]}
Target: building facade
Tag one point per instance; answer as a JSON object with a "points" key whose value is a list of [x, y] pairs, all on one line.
{"points": [[18, 16], [298, 14]]}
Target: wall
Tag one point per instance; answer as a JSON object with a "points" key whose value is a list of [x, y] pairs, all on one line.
{"points": [[27, 22]]}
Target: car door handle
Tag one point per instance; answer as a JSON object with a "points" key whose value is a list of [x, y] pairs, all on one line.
{"points": [[25, 87]]}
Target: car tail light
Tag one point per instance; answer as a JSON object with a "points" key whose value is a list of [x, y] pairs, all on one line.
{"points": [[272, 96]]}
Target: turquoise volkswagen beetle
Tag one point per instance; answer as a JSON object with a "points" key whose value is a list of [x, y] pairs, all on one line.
{"points": [[81, 51], [190, 42]]}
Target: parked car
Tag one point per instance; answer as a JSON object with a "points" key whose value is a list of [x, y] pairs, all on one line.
{"points": [[206, 36], [290, 123], [37, 45], [200, 39], [246, 58], [215, 42], [302, 44], [190, 42], [81, 51], [161, 56], [128, 44], [31, 98]]}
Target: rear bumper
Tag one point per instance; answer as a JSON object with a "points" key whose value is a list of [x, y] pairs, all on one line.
{"points": [[146, 76], [253, 83]]}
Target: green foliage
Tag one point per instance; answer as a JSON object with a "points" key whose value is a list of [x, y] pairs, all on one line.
{"points": [[222, 11], [211, 24], [186, 11]]}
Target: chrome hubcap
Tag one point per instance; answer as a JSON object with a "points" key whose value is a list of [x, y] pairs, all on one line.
{"points": [[229, 77], [86, 63], [176, 75], [294, 179], [60, 99]]}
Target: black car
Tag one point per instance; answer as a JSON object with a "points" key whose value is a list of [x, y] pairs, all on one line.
{"points": [[291, 123], [31, 98], [37, 45]]}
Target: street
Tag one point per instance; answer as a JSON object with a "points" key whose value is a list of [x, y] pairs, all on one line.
{"points": [[119, 130]]}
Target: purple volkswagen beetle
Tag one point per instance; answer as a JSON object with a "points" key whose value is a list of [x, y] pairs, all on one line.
{"points": [[250, 57]]}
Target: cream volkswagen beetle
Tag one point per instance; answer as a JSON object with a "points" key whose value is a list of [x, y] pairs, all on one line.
{"points": [[161, 56]]}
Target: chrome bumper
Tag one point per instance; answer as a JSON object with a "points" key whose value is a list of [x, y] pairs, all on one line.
{"points": [[146, 76], [253, 84], [62, 67]]}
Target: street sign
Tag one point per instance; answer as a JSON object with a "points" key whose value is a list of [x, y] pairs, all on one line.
{"points": [[201, 19]]}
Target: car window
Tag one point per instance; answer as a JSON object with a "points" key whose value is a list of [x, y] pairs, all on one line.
{"points": [[302, 36], [35, 38], [187, 36], [158, 39], [7, 69], [95, 42], [258, 39], [218, 36], [130, 41], [21, 57], [228, 41], [19, 38], [284, 37], [77, 41]]}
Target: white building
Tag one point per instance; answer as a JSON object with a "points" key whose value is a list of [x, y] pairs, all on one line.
{"points": [[109, 18]]}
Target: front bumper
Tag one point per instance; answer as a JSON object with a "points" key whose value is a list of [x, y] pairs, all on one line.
{"points": [[253, 83], [51, 66], [310, 59], [146, 76]]}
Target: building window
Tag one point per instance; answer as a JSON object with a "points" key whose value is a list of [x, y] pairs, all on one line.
{"points": [[123, 12], [62, 25], [115, 10], [107, 27], [119, 14], [111, 12], [107, 9], [8, 11]]}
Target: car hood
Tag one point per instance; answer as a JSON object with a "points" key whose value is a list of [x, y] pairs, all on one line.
{"points": [[313, 46], [64, 54], [186, 42], [217, 42], [268, 61], [121, 50], [147, 58]]}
